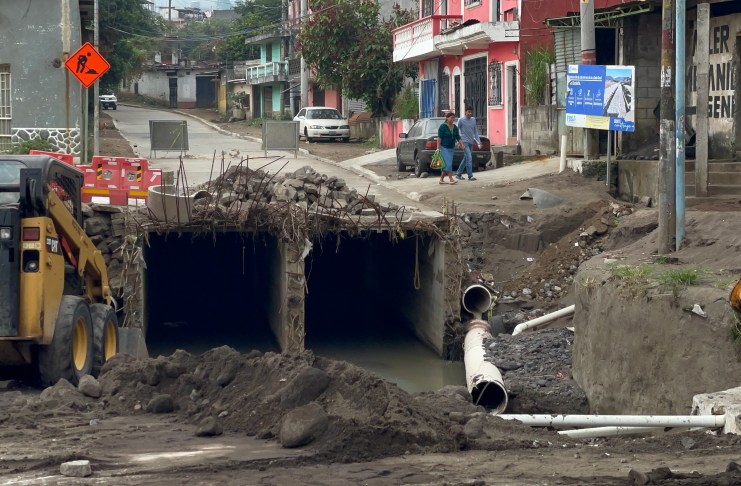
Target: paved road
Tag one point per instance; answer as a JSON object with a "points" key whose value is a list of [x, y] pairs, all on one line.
{"points": [[206, 142], [205, 139]]}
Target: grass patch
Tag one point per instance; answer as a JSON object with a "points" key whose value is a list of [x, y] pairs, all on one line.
{"points": [[680, 278], [635, 280], [736, 330]]}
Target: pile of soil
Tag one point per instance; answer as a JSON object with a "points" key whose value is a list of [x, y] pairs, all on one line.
{"points": [[253, 393]]}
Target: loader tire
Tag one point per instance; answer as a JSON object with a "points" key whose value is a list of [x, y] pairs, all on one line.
{"points": [[70, 354], [105, 335]]}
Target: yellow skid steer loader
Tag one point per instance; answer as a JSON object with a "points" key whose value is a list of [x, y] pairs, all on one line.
{"points": [[55, 302]]}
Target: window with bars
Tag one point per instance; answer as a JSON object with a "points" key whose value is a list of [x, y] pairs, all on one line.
{"points": [[5, 107], [445, 92], [495, 83]]}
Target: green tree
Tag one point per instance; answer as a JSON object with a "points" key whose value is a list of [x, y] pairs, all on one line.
{"points": [[255, 17], [126, 31], [361, 65]]}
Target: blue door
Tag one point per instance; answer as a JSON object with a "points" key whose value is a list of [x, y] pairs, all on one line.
{"points": [[428, 98]]}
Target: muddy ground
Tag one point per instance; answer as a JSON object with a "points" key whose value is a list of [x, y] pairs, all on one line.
{"points": [[230, 418]]}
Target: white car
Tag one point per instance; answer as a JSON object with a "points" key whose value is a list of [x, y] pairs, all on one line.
{"points": [[322, 122], [108, 101]]}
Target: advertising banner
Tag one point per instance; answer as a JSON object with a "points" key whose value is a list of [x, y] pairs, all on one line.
{"points": [[600, 97]]}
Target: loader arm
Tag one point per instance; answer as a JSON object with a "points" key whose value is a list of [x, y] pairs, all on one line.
{"points": [[91, 265]]}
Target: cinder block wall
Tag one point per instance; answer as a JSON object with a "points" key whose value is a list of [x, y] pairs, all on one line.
{"points": [[643, 49], [540, 130]]}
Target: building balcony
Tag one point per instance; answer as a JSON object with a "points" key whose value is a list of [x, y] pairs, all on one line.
{"points": [[415, 41], [476, 36], [270, 72]]}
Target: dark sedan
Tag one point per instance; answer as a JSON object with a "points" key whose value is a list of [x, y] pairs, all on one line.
{"points": [[420, 143]]}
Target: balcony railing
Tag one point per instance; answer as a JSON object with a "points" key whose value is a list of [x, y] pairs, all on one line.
{"points": [[414, 41], [271, 71]]}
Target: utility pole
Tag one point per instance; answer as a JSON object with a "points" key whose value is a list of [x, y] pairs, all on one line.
{"points": [[96, 86], [679, 99], [667, 168], [588, 56], [304, 73]]}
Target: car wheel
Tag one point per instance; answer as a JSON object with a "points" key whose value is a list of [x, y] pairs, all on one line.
{"points": [[306, 136], [114, 107], [399, 164], [346, 139], [419, 166]]}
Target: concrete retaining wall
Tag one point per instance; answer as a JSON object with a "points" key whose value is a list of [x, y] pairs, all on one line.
{"points": [[642, 351], [638, 179]]}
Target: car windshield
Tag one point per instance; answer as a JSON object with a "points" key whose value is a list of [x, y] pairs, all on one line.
{"points": [[323, 115], [433, 124]]}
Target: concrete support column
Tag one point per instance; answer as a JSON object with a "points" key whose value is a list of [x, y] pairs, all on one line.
{"points": [[703, 92], [287, 298]]}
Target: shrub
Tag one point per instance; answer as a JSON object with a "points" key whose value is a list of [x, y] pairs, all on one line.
{"points": [[406, 103]]}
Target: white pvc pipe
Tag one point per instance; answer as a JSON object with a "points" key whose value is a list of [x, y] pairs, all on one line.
{"points": [[615, 431], [476, 299], [564, 143], [543, 319], [544, 420], [483, 379]]}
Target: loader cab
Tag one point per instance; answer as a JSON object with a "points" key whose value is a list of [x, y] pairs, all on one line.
{"points": [[40, 174]]}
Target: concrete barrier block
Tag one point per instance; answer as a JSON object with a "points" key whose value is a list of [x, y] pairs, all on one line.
{"points": [[726, 402]]}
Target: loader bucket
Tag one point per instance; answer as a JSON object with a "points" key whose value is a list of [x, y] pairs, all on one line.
{"points": [[131, 341]]}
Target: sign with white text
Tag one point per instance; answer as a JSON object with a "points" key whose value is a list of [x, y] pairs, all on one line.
{"points": [[600, 97]]}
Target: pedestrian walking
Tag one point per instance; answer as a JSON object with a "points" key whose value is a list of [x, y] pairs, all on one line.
{"points": [[447, 137], [469, 135]]}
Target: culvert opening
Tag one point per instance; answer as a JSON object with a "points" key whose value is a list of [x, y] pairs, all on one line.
{"points": [[375, 290], [203, 290]]}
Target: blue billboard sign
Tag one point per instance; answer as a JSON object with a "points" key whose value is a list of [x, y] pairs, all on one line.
{"points": [[600, 97]]}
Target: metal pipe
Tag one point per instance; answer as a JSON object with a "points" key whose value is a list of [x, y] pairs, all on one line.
{"points": [[484, 380], [679, 99], [615, 431], [543, 319], [476, 299], [557, 421]]}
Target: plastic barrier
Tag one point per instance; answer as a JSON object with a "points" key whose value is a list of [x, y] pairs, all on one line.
{"points": [[118, 180], [66, 158]]}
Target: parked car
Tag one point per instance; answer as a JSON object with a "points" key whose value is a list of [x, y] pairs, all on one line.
{"points": [[420, 143], [319, 122], [108, 101]]}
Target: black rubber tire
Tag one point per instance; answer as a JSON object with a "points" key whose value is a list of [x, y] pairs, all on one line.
{"points": [[114, 107], [419, 166], [346, 139], [400, 166], [306, 136], [70, 353], [105, 335]]}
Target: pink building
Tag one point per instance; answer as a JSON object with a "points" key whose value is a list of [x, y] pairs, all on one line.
{"points": [[471, 53]]}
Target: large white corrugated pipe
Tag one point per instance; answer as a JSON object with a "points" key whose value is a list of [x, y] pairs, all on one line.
{"points": [[483, 378], [543, 319], [476, 299]]}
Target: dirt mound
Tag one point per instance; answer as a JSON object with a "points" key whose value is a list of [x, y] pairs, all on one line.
{"points": [[252, 393], [557, 264]]}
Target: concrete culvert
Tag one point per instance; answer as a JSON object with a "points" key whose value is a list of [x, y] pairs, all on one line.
{"points": [[203, 290], [375, 288]]}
